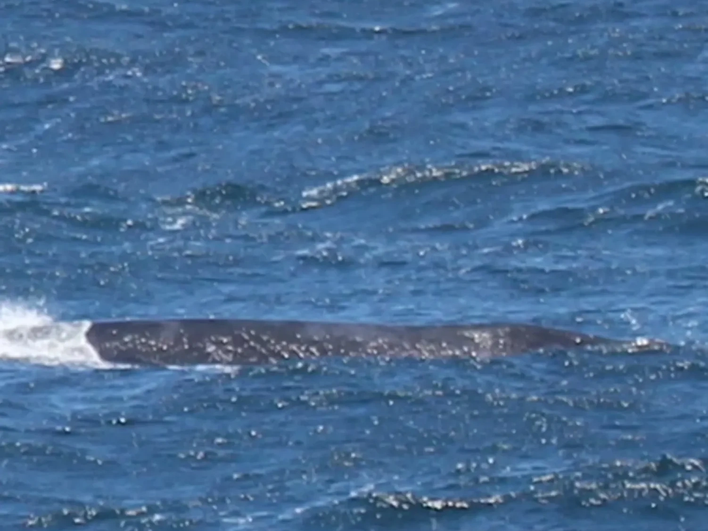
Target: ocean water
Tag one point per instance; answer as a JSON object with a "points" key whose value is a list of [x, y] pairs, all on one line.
{"points": [[531, 161]]}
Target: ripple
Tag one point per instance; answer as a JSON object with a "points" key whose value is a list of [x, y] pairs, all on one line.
{"points": [[630, 486], [146, 516], [222, 196]]}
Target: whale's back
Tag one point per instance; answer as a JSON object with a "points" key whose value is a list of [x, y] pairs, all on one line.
{"points": [[223, 341]]}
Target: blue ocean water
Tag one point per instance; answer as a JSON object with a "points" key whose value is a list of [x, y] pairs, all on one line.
{"points": [[412, 162]]}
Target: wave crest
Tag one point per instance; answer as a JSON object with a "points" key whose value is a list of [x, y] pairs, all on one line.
{"points": [[397, 176]]}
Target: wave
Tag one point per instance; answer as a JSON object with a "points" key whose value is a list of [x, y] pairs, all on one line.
{"points": [[230, 195], [627, 204], [667, 483], [398, 176]]}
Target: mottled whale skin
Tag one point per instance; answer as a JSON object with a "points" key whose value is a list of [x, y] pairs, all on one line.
{"points": [[245, 342]]}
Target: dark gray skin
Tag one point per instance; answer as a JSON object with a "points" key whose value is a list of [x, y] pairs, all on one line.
{"points": [[244, 342]]}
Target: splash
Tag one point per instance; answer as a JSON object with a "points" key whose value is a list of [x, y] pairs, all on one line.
{"points": [[30, 335]]}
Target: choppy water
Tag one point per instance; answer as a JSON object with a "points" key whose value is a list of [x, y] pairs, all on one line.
{"points": [[530, 161]]}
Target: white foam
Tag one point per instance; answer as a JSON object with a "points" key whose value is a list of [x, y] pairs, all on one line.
{"points": [[12, 188], [31, 335]]}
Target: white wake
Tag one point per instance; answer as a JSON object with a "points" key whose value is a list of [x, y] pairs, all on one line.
{"points": [[30, 335]]}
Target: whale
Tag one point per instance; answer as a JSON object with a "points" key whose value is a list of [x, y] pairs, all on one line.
{"points": [[188, 341]]}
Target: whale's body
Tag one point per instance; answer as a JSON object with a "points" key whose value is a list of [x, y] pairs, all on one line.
{"points": [[237, 342]]}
